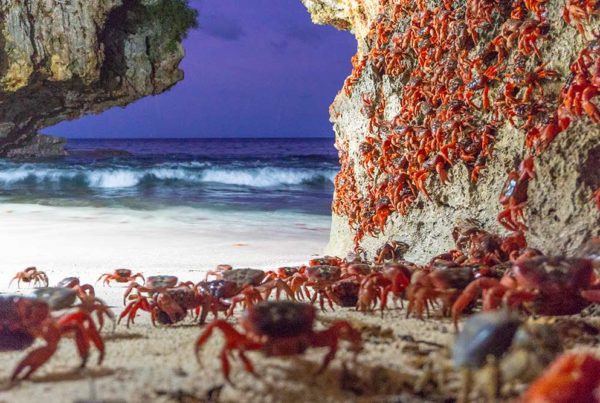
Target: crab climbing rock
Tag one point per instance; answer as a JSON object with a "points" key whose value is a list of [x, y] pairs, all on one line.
{"points": [[279, 328]]}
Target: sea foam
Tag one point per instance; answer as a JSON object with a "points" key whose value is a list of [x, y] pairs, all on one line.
{"points": [[111, 178]]}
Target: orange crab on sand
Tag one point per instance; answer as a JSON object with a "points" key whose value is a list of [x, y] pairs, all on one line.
{"points": [[120, 276], [168, 306], [279, 328], [30, 275]]}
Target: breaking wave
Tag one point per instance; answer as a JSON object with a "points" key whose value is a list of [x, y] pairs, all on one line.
{"points": [[180, 174]]}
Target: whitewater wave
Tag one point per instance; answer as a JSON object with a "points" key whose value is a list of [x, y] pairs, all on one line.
{"points": [[127, 177], [268, 177]]}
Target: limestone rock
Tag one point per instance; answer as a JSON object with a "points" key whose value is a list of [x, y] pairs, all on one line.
{"points": [[62, 59], [40, 147], [560, 213]]}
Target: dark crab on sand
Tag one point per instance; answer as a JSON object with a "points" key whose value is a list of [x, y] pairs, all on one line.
{"points": [[25, 319], [279, 328]]}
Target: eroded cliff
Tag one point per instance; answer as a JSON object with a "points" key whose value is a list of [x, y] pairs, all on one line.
{"points": [[469, 89], [62, 59]]}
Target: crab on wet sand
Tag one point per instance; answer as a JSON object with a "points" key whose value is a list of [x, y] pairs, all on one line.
{"points": [[25, 319], [279, 328]]}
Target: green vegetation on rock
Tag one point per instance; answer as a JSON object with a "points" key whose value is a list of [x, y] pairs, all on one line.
{"points": [[175, 18]]}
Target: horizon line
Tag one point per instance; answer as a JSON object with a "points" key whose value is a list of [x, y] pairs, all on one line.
{"points": [[198, 138]]}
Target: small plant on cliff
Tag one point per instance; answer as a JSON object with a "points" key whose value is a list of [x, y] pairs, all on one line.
{"points": [[175, 17]]}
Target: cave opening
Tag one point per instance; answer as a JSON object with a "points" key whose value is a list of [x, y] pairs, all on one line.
{"points": [[268, 173]]}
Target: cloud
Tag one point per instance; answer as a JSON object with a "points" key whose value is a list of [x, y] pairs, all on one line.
{"points": [[222, 27]]}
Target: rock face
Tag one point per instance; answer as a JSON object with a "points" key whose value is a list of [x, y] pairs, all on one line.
{"points": [[62, 59], [40, 146], [403, 45]]}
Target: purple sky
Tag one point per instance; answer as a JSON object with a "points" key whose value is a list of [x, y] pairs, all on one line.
{"points": [[256, 68]]}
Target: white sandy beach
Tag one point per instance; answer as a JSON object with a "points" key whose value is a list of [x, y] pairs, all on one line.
{"points": [[87, 241], [403, 359]]}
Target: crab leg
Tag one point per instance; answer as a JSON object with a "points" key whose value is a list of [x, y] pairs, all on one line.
{"points": [[76, 322], [234, 340], [17, 277], [330, 337], [39, 356]]}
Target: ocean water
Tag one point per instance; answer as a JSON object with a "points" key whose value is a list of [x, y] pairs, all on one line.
{"points": [[266, 175]]}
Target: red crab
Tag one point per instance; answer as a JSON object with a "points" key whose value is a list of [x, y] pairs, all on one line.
{"points": [[74, 283], [591, 250], [579, 11], [254, 285], [393, 278], [325, 261], [24, 319], [151, 285], [169, 306], [345, 292], [120, 276], [279, 329], [227, 294], [356, 270], [30, 275], [572, 377], [392, 250], [543, 285], [463, 232], [284, 272], [59, 298], [483, 247], [218, 272], [320, 279], [445, 283], [514, 196]]}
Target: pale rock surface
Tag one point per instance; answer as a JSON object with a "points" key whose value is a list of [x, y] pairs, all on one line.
{"points": [[560, 212]]}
